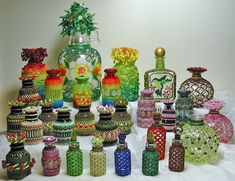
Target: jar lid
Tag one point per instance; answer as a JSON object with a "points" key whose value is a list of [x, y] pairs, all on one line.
{"points": [[49, 140], [110, 71]]}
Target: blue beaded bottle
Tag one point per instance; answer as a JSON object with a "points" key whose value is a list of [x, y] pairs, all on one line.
{"points": [[122, 157]]}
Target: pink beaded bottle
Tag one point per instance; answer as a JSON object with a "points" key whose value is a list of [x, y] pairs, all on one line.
{"points": [[50, 157], [220, 123], [146, 108]]}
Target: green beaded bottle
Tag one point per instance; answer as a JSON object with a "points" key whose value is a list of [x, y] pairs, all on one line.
{"points": [[150, 158], [74, 157]]}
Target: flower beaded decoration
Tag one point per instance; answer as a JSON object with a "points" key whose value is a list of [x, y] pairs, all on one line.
{"points": [[18, 162]]}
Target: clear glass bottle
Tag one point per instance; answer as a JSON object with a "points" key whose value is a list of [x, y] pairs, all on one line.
{"points": [[97, 158], [159, 133], [74, 158], [200, 141], [220, 123], [176, 152], [168, 115], [150, 159], [161, 80], [122, 157]]}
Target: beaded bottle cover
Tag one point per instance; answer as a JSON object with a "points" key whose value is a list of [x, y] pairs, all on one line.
{"points": [[168, 115]]}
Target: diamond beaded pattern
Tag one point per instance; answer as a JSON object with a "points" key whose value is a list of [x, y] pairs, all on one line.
{"points": [[176, 158], [97, 163], [74, 162]]}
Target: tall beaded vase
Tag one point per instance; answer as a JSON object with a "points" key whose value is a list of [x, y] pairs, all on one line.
{"points": [[200, 141], [106, 127], [220, 123], [54, 88], [168, 115], [159, 134], [32, 127], [48, 117], [111, 89], [16, 117], [124, 61], [18, 161], [201, 89], [97, 158], [35, 67], [74, 159], [121, 117], [146, 108], [50, 157]]}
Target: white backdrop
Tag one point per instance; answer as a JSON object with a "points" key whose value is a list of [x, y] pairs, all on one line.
{"points": [[193, 32]]}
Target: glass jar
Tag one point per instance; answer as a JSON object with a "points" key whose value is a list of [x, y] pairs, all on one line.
{"points": [[16, 117], [50, 157], [183, 107], [161, 80], [220, 123], [122, 157], [146, 108], [111, 89], [168, 115], [74, 158], [201, 89], [124, 61], [35, 67], [54, 88], [159, 133], [200, 141], [82, 92]]}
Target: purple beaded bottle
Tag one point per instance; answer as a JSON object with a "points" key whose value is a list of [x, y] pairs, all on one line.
{"points": [[168, 115], [50, 157]]}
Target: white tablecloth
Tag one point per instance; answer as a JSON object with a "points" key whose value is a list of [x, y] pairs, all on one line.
{"points": [[220, 169]]}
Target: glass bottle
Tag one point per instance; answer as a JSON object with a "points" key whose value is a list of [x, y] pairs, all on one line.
{"points": [[79, 58], [63, 126], [146, 108], [106, 127], [35, 67], [16, 117], [168, 115], [18, 161], [122, 157], [74, 158], [183, 107], [200, 141], [54, 88], [82, 92], [50, 157], [159, 134], [48, 117], [150, 157], [111, 89], [97, 158], [121, 117], [28, 93], [220, 123], [161, 80], [124, 61], [32, 127], [176, 152], [201, 89]]}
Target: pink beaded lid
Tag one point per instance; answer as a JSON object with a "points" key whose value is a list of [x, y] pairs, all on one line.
{"points": [[214, 104], [146, 92], [49, 140]]}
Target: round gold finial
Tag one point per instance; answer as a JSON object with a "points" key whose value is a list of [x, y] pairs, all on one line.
{"points": [[160, 52]]}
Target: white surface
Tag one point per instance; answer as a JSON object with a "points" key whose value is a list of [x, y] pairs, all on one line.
{"points": [[220, 169]]}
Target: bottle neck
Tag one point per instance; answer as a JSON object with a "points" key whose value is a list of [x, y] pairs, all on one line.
{"points": [[84, 108], [17, 147], [213, 112], [160, 63], [196, 75], [79, 39], [120, 108], [16, 109], [47, 109]]}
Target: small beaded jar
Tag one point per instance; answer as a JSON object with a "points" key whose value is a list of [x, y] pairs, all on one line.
{"points": [[121, 117], [105, 127], [159, 134], [63, 126], [48, 117], [16, 117], [122, 157], [168, 116], [32, 127], [74, 159], [220, 123], [150, 159], [50, 157], [146, 108], [176, 152], [28, 93], [97, 158]]}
